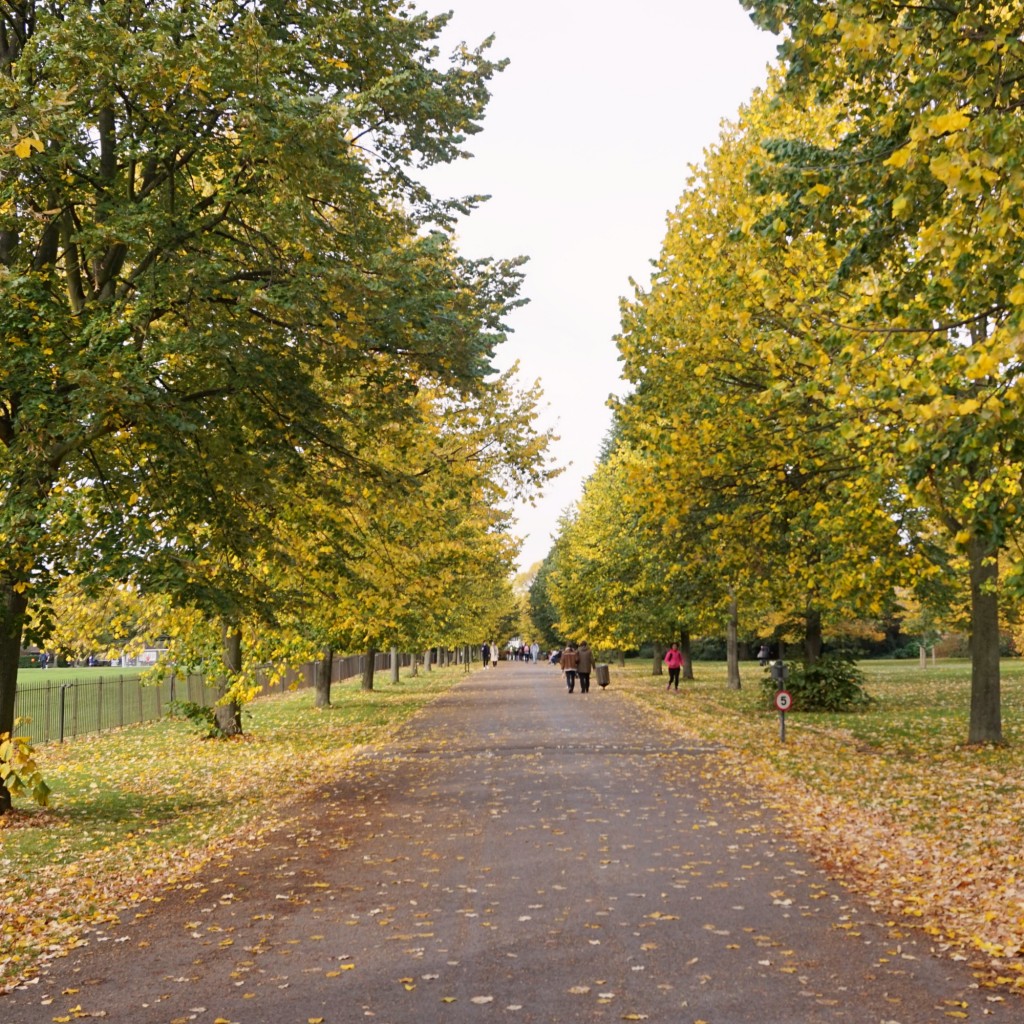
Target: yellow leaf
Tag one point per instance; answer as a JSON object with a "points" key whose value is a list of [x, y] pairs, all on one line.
{"points": [[24, 147], [944, 123], [900, 158], [946, 169]]}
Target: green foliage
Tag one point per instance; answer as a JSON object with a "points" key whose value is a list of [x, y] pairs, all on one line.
{"points": [[542, 611], [19, 771], [833, 683], [201, 716], [209, 283]]}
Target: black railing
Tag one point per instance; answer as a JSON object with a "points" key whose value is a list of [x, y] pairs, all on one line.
{"points": [[61, 710]]}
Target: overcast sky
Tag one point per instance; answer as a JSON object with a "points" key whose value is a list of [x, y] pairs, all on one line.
{"points": [[585, 149]]}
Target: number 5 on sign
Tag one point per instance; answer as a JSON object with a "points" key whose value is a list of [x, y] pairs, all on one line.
{"points": [[783, 700]]}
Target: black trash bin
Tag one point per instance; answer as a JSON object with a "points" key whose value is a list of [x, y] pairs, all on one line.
{"points": [[602, 675]]}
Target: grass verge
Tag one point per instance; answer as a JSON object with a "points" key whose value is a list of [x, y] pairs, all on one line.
{"points": [[891, 800], [143, 807]]}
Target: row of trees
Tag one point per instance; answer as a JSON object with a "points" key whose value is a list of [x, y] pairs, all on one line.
{"points": [[243, 368], [825, 425]]}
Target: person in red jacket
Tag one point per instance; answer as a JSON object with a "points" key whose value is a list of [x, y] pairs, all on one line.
{"points": [[674, 660]]}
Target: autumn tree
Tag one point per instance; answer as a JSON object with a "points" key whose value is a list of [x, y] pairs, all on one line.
{"points": [[920, 185], [206, 212], [413, 547], [740, 410]]}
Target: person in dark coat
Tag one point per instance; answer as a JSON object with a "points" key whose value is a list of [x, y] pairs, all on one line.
{"points": [[584, 666]]}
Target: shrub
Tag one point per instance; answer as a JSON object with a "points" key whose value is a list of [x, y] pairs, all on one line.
{"points": [[833, 683], [18, 769], [201, 716]]}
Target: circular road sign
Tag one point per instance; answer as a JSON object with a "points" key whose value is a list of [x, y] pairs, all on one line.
{"points": [[783, 700]]}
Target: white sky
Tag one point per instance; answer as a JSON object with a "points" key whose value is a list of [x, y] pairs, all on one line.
{"points": [[585, 148]]}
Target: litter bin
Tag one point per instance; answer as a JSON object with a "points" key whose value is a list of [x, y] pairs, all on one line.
{"points": [[602, 675]]}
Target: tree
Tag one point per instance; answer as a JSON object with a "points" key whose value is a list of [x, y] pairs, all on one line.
{"points": [[739, 409], [920, 184], [415, 549], [206, 212]]}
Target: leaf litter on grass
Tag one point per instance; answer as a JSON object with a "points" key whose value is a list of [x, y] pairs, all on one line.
{"points": [[142, 809], [890, 801]]}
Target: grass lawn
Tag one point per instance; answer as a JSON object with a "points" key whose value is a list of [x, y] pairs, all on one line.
{"points": [[892, 799], [30, 677], [143, 806]]}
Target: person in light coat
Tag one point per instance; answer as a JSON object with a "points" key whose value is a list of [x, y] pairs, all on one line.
{"points": [[569, 662]]}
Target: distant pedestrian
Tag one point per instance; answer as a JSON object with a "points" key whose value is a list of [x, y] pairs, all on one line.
{"points": [[44, 659], [569, 662], [674, 661], [763, 655], [584, 666], [485, 654], [534, 651], [494, 655]]}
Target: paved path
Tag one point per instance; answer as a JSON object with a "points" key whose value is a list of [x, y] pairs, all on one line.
{"points": [[523, 855]]}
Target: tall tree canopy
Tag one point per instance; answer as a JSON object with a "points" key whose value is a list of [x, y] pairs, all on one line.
{"points": [[922, 185], [211, 230]]}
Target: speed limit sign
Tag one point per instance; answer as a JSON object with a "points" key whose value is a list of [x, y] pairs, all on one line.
{"points": [[783, 700]]}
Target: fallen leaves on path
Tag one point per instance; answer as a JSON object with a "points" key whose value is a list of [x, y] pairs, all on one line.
{"points": [[141, 809], [927, 829]]}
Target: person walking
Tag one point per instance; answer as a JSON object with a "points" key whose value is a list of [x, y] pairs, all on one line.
{"points": [[569, 662], [494, 655], [584, 666], [674, 661]]}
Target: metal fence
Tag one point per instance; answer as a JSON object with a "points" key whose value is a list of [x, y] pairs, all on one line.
{"points": [[61, 710]]}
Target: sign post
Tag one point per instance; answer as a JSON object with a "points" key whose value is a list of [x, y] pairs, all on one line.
{"points": [[783, 702], [783, 698]]}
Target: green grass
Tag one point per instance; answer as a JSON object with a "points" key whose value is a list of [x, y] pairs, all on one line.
{"points": [[922, 710], [33, 677]]}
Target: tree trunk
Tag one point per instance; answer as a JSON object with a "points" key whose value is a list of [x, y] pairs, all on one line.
{"points": [[12, 626], [812, 637], [620, 658], [395, 673], [922, 655], [686, 650], [659, 654], [732, 646], [780, 644], [322, 679], [986, 716], [368, 665], [428, 657], [415, 666], [229, 716]]}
